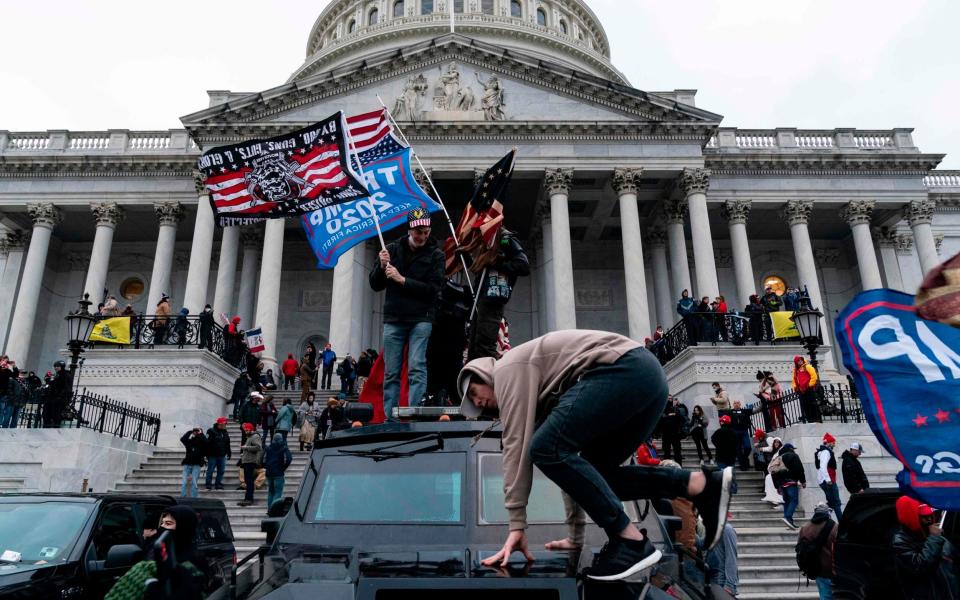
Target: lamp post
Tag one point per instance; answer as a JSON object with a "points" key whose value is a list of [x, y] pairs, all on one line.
{"points": [[808, 322], [79, 323]]}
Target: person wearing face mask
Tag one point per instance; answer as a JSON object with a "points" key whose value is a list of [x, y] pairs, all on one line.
{"points": [[926, 562], [206, 328]]}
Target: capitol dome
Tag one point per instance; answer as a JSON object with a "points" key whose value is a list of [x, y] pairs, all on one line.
{"points": [[564, 32]]}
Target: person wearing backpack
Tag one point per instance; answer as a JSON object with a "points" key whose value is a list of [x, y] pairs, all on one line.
{"points": [[814, 550], [826, 464]]}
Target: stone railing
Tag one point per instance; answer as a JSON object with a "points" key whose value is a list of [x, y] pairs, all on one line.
{"points": [[942, 179], [114, 141], [844, 140]]}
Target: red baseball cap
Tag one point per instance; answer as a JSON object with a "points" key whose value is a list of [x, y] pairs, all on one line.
{"points": [[829, 439], [725, 420], [221, 421], [248, 427]]}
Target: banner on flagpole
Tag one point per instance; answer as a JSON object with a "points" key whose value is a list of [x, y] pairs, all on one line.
{"points": [[111, 331], [255, 340]]}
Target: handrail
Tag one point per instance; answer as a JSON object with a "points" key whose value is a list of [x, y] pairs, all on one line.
{"points": [[709, 328], [38, 408], [834, 402]]}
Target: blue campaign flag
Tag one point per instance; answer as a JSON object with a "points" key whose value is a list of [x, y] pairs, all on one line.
{"points": [[907, 372], [393, 193]]}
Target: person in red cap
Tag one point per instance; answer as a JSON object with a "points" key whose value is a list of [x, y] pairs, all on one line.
{"points": [[218, 452], [826, 464], [727, 442], [926, 562]]}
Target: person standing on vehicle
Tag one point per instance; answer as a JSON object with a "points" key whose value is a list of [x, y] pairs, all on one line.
{"points": [[250, 459], [196, 445], [327, 359], [854, 479], [276, 460], [698, 431], [789, 480], [218, 452], [926, 562], [726, 441], [814, 550], [577, 404], [826, 464]]}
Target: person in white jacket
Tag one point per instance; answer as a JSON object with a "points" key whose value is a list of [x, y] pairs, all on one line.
{"points": [[771, 494]]}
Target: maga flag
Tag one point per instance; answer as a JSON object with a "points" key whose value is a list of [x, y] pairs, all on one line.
{"points": [[111, 331], [907, 372], [482, 219], [283, 176]]}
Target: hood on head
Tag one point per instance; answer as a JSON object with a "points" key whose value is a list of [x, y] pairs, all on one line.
{"points": [[186, 530], [289, 356], [821, 513], [908, 513], [482, 368], [184, 311], [788, 447], [235, 320], [798, 360], [278, 440]]}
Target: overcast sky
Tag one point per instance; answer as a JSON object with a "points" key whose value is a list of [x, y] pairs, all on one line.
{"points": [[95, 65]]}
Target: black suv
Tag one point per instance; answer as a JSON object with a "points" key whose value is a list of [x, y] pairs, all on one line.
{"points": [[409, 510], [75, 546]]}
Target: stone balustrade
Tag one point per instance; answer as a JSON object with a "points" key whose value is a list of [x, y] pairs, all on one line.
{"points": [[942, 179], [845, 140], [114, 141]]}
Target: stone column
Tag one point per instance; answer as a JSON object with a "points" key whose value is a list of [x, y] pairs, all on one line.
{"points": [[170, 214], [661, 277], [45, 218], [797, 214], [345, 305], [920, 215], [679, 264], [857, 214], [201, 250], [227, 271], [887, 240], [108, 216], [625, 183], [694, 184], [251, 238], [268, 297], [13, 245], [564, 299], [736, 212], [549, 289], [911, 279]]}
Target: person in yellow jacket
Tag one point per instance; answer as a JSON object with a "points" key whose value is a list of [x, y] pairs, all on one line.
{"points": [[805, 382]]}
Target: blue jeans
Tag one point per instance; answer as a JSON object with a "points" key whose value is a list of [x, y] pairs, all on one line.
{"points": [[832, 492], [221, 465], [192, 471], [598, 424], [791, 498], [825, 587], [274, 490], [395, 337]]}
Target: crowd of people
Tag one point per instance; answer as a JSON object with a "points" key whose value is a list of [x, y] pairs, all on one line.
{"points": [[48, 398]]}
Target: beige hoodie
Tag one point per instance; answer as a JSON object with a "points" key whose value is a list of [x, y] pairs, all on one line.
{"points": [[523, 381]]}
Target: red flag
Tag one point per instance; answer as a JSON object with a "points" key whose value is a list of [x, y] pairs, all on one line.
{"points": [[372, 392]]}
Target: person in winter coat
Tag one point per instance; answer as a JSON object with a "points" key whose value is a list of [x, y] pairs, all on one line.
{"points": [[926, 562], [57, 396], [328, 360], [289, 368], [698, 432], [332, 418], [826, 464], [789, 480], [268, 418], [250, 413], [250, 459], [671, 426], [309, 417], [755, 319], [687, 308], [411, 272], [180, 327], [811, 532], [233, 341], [286, 418], [196, 445], [726, 442], [805, 381], [854, 479], [218, 452], [241, 389], [364, 366], [348, 373], [769, 392], [720, 399], [206, 328], [276, 460], [307, 373], [770, 492], [162, 320]]}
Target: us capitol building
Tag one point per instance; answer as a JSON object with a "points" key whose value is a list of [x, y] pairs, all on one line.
{"points": [[622, 197]]}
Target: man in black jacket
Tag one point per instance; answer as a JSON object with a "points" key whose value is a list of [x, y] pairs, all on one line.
{"points": [[926, 563], [218, 452], [495, 289], [789, 480], [726, 441], [854, 479], [411, 272], [671, 427], [195, 443]]}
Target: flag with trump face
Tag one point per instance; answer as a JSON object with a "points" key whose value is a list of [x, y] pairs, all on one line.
{"points": [[283, 176]]}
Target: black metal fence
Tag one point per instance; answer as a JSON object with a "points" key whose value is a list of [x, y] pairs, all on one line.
{"points": [[85, 410], [713, 328], [830, 403]]}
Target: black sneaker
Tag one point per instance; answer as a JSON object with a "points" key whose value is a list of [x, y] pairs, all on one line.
{"points": [[790, 524], [620, 559], [714, 502]]}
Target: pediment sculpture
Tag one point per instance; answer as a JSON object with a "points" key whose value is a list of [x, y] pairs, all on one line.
{"points": [[453, 98]]}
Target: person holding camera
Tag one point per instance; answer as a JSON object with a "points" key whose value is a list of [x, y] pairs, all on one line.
{"points": [[196, 445]]}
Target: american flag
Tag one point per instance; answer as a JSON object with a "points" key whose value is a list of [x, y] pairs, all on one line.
{"points": [[373, 137]]}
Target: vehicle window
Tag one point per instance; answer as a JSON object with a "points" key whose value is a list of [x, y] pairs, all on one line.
{"points": [[425, 488], [41, 531], [213, 527], [117, 526], [151, 515], [872, 524]]}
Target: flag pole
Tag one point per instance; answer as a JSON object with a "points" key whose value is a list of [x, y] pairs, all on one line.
{"points": [[416, 157], [363, 176]]}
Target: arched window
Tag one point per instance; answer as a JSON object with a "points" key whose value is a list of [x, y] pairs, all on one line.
{"points": [[352, 26], [486, 7], [541, 17], [563, 27], [426, 7], [398, 9], [516, 10], [458, 6], [374, 17]]}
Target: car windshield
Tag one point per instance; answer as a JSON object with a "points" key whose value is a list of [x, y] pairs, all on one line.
{"points": [[426, 488], [40, 532]]}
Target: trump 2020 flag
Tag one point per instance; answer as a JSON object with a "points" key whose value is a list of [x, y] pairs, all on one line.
{"points": [[907, 372], [255, 340], [393, 191], [284, 176]]}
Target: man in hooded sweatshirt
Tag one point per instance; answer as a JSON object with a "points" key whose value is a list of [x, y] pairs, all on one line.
{"points": [[927, 565], [290, 368], [805, 380], [789, 480], [206, 328], [577, 404]]}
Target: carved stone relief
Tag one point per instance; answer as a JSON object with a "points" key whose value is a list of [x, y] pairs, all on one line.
{"points": [[454, 99]]}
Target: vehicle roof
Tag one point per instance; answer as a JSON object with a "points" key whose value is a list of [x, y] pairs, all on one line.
{"points": [[93, 498], [404, 430]]}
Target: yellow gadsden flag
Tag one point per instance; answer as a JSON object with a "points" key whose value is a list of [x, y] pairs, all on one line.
{"points": [[112, 331], [783, 327]]}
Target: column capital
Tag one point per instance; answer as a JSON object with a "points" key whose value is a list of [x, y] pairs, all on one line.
{"points": [[904, 245], [797, 212], [559, 181], [675, 211], [626, 181], [920, 212], [695, 181], [16, 240], [422, 177], [251, 236], [938, 241], [198, 183], [858, 212], [886, 237], [45, 214], [169, 213], [656, 237], [107, 214], [736, 211]]}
